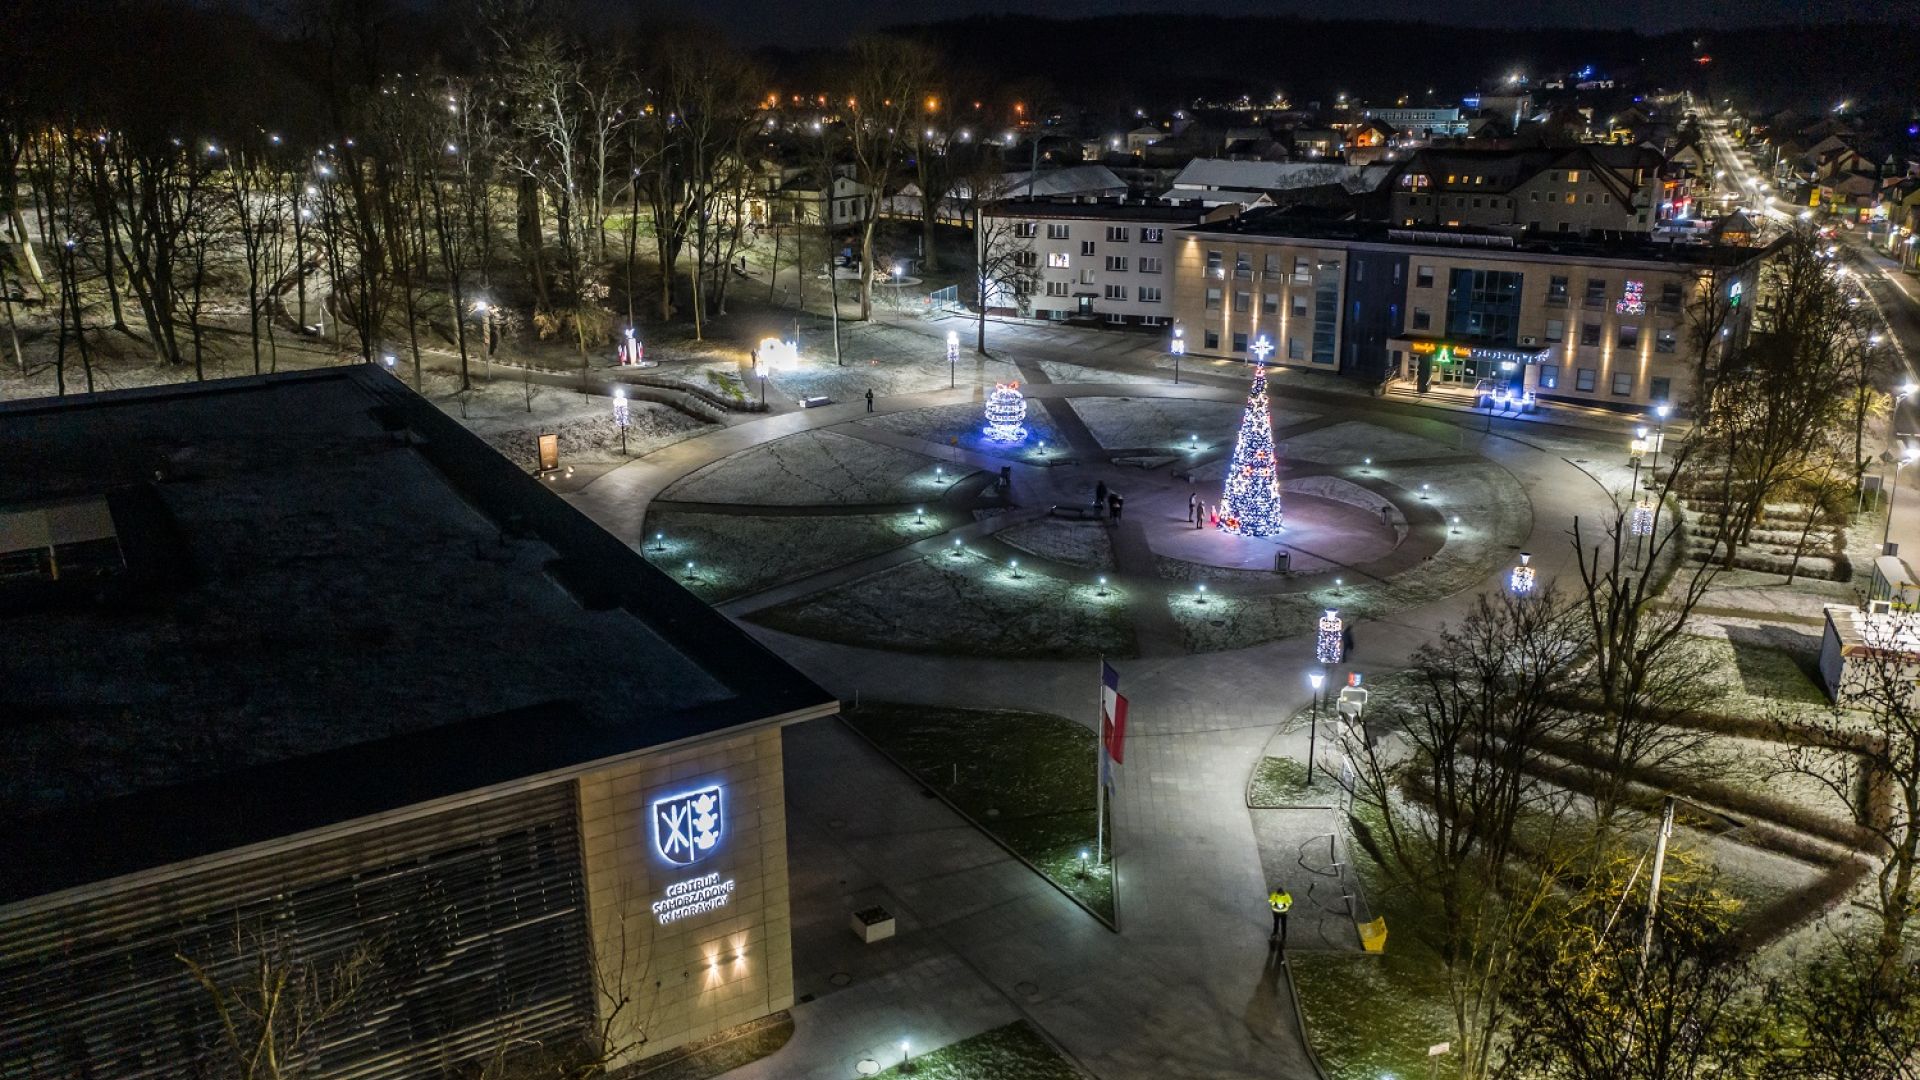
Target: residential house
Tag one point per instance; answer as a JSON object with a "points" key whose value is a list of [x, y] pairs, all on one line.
{"points": [[1092, 258]]}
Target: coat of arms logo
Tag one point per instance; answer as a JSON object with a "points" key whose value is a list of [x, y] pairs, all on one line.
{"points": [[686, 827]]}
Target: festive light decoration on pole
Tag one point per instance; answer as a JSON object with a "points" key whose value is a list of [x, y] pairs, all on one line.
{"points": [[1521, 580], [621, 417], [1250, 503], [1642, 524], [1006, 409], [1329, 641]]}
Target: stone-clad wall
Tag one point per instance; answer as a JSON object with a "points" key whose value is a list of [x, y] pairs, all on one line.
{"points": [[699, 974]]}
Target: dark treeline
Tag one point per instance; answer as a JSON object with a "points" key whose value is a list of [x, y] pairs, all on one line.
{"points": [[1140, 60]]}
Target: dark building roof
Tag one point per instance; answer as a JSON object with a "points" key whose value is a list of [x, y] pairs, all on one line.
{"points": [[328, 600], [1279, 224]]}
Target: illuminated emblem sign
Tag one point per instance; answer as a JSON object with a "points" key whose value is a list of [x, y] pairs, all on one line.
{"points": [[1633, 301], [1734, 292], [686, 827]]}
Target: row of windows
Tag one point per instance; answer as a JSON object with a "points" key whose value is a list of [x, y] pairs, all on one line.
{"points": [[1269, 302], [1060, 260], [1479, 202], [1296, 348], [1116, 234], [1586, 378], [1270, 266]]}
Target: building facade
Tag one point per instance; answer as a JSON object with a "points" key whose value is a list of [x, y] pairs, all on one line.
{"points": [[463, 769], [1570, 191], [1106, 260], [1597, 324]]}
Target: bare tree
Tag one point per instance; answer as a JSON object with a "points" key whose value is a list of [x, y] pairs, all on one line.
{"points": [[1483, 712], [273, 1007], [883, 105]]}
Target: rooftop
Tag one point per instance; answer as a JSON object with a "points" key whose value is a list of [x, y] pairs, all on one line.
{"points": [[317, 598], [1277, 223], [1169, 211]]}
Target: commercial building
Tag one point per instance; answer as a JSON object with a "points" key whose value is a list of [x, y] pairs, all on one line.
{"points": [[312, 686], [1601, 323], [1091, 258], [1420, 123]]}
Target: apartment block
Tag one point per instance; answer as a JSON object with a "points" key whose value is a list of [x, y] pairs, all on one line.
{"points": [[1092, 259]]}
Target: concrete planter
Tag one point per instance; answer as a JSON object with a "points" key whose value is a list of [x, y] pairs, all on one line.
{"points": [[873, 924]]}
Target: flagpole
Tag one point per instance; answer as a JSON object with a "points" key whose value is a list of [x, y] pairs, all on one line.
{"points": [[1099, 767]]}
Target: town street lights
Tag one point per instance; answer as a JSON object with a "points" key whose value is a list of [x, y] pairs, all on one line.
{"points": [[953, 359], [1316, 679], [1907, 457], [621, 417], [1660, 438], [1178, 349]]}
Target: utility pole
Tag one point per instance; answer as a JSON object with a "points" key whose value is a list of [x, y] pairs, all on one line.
{"points": [[1653, 889]]}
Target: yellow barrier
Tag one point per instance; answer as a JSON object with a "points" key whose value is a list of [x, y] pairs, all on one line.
{"points": [[1373, 935]]}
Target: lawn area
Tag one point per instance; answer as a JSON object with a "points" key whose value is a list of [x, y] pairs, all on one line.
{"points": [[1371, 1016], [1279, 783], [1025, 778], [741, 554], [967, 605], [1013, 1052], [818, 468], [720, 1054]]}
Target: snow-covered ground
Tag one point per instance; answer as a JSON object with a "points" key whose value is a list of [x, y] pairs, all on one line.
{"points": [[817, 468], [1122, 423], [1352, 442], [1085, 544], [964, 606], [741, 554]]}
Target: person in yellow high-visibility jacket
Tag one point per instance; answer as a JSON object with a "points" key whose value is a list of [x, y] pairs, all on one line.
{"points": [[1281, 902]]}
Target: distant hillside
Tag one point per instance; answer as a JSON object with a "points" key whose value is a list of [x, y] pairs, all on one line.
{"points": [[1172, 57]]}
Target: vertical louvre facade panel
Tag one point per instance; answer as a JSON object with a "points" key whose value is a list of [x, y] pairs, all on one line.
{"points": [[473, 920]]}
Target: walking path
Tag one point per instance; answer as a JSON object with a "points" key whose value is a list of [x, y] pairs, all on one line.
{"points": [[1188, 987]]}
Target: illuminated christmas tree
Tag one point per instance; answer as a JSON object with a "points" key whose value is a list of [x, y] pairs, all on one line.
{"points": [[1250, 504]]}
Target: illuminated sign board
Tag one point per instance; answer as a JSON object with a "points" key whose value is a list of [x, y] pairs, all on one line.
{"points": [[692, 897], [1633, 301], [1734, 293], [1445, 353], [687, 827]]}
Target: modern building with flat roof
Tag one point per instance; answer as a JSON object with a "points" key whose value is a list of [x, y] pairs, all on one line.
{"points": [[1595, 321], [308, 681], [1091, 258]]}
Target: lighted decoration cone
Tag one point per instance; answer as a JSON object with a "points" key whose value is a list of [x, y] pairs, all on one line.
{"points": [[1250, 502], [1642, 523], [1006, 414], [1329, 640], [1521, 580]]}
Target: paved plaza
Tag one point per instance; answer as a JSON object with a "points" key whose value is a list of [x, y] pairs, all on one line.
{"points": [[1188, 986]]}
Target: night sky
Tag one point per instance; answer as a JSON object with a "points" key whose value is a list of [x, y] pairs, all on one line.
{"points": [[818, 22]]}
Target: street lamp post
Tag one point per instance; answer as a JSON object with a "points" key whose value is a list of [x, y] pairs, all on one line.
{"points": [[1660, 438], [621, 417], [1179, 349], [953, 359], [1316, 680], [1907, 458]]}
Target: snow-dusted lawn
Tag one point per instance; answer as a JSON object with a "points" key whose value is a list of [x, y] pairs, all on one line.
{"points": [[1123, 423], [1352, 442], [1075, 373], [960, 425], [497, 412], [816, 468], [1085, 544], [738, 555], [966, 606]]}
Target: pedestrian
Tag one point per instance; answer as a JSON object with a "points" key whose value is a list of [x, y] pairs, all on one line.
{"points": [[1280, 901], [1199, 514], [1113, 505], [869, 399], [1099, 496], [1386, 515], [1006, 478], [1119, 504], [1346, 643], [1193, 506]]}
